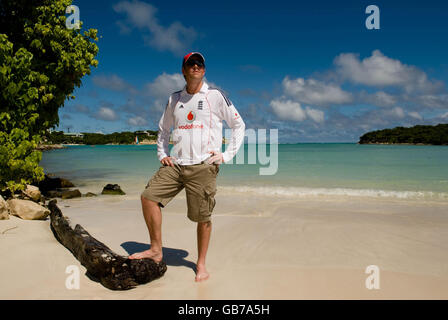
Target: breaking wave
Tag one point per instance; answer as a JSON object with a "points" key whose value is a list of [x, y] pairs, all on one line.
{"points": [[306, 192]]}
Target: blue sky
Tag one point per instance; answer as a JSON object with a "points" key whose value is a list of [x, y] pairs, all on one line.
{"points": [[310, 69]]}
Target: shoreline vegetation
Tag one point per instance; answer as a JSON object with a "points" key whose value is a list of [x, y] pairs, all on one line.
{"points": [[401, 144], [86, 138], [417, 135], [45, 147], [60, 140]]}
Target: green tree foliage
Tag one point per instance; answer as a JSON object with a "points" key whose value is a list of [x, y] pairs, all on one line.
{"points": [[436, 135], [41, 62]]}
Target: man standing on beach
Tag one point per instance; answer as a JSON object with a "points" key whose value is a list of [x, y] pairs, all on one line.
{"points": [[195, 113]]}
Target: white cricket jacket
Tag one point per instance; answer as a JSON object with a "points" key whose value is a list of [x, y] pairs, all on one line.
{"points": [[196, 120]]}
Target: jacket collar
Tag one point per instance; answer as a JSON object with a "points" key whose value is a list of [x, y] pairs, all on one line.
{"points": [[203, 89]]}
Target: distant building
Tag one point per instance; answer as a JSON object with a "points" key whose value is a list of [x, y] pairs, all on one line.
{"points": [[74, 134], [144, 132]]}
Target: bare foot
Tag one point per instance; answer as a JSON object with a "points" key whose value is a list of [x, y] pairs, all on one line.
{"points": [[154, 255], [201, 273]]}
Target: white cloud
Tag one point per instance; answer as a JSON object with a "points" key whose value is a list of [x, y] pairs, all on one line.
{"points": [[378, 91], [439, 101], [141, 14], [380, 98], [107, 114], [316, 115], [175, 38], [315, 92], [379, 70], [367, 94], [376, 118], [288, 110], [153, 96], [164, 85], [137, 121], [415, 115], [396, 112]]}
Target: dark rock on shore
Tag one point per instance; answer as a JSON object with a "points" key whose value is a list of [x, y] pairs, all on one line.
{"points": [[54, 194], [50, 183], [112, 189], [90, 194], [69, 194], [64, 194], [55, 187]]}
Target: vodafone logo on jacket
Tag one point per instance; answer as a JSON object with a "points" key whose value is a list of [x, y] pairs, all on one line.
{"points": [[191, 126], [191, 116]]}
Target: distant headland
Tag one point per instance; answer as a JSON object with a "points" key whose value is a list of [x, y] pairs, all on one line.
{"points": [[416, 135]]}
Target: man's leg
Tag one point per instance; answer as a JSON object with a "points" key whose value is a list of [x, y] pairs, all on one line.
{"points": [[204, 230], [153, 219]]}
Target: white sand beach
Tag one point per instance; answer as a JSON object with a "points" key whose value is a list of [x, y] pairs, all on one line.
{"points": [[314, 247]]}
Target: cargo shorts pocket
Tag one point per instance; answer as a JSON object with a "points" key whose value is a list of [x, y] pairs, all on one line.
{"points": [[208, 202]]}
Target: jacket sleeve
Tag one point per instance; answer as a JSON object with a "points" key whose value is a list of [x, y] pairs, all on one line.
{"points": [[235, 122], [163, 137]]}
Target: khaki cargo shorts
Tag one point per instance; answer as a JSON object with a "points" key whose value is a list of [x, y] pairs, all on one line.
{"points": [[199, 181]]}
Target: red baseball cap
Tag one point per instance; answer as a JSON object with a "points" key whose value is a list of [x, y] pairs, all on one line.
{"points": [[191, 54]]}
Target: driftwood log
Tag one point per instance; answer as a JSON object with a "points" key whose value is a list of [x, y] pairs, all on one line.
{"points": [[113, 271]]}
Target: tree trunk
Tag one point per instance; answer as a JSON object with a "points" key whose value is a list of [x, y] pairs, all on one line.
{"points": [[113, 271]]}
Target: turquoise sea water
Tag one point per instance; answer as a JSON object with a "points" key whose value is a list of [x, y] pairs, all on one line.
{"points": [[309, 168]]}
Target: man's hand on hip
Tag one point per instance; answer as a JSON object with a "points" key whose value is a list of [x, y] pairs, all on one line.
{"points": [[168, 161], [216, 157]]}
